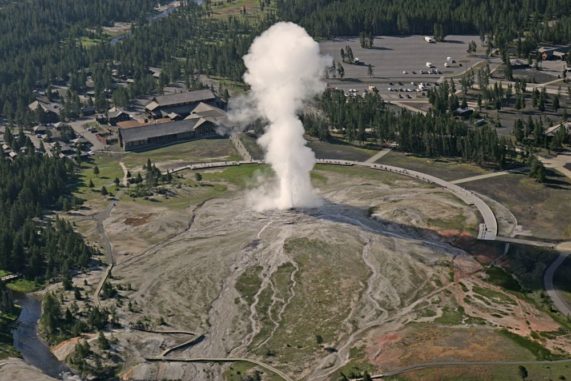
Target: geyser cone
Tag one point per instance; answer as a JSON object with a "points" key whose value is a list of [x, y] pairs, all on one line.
{"points": [[284, 69]]}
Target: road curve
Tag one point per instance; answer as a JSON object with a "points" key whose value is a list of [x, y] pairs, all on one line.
{"points": [[267, 367], [550, 288]]}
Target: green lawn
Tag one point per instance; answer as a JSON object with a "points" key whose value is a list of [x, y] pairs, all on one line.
{"points": [[553, 372], [241, 175], [87, 42], [444, 168], [494, 296], [195, 151], [451, 316], [23, 285], [544, 209], [109, 169], [368, 173]]}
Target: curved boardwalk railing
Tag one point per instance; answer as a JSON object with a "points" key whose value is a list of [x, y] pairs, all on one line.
{"points": [[488, 229]]}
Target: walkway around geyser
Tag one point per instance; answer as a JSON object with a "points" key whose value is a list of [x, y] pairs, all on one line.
{"points": [[488, 230]]}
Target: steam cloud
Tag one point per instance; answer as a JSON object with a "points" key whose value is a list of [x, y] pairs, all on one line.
{"points": [[284, 69]]}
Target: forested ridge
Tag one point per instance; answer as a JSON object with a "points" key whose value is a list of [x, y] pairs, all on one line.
{"points": [[328, 18], [41, 46], [38, 248], [39, 41]]}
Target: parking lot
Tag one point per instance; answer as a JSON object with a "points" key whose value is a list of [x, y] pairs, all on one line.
{"points": [[400, 61]]}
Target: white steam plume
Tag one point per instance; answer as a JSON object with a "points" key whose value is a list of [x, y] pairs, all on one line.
{"points": [[284, 69]]}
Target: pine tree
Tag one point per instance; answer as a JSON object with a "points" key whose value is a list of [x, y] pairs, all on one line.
{"points": [[103, 342]]}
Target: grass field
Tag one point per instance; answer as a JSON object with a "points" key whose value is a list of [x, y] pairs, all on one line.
{"points": [[196, 151], [496, 372], [23, 285], [367, 173], [451, 316], [447, 169], [425, 343], [249, 283], [87, 42], [242, 176], [321, 301], [340, 151], [109, 169], [544, 209], [240, 371]]}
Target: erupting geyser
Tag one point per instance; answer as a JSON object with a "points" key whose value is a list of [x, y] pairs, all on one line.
{"points": [[284, 69]]}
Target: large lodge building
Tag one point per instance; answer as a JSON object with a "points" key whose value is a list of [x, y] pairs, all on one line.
{"points": [[174, 118]]}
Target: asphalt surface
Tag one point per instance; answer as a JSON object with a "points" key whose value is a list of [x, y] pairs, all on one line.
{"points": [[550, 288], [390, 56], [89, 136]]}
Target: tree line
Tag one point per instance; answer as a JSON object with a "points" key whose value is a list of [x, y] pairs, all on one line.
{"points": [[49, 51], [40, 43], [362, 119], [34, 246], [503, 18]]}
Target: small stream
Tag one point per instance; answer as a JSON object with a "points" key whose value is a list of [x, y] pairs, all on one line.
{"points": [[34, 351]]}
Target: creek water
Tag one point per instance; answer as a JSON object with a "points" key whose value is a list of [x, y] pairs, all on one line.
{"points": [[34, 351]]}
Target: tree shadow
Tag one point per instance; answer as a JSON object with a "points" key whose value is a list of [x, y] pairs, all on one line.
{"points": [[360, 217], [379, 48], [454, 42]]}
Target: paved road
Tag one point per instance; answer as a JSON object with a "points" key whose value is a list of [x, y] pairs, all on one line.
{"points": [[268, 367], [558, 163], [38, 143], [530, 87], [487, 176], [379, 155], [235, 139], [550, 288], [90, 137], [125, 171]]}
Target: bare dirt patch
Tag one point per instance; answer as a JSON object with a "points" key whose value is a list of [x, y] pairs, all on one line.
{"points": [[137, 221]]}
